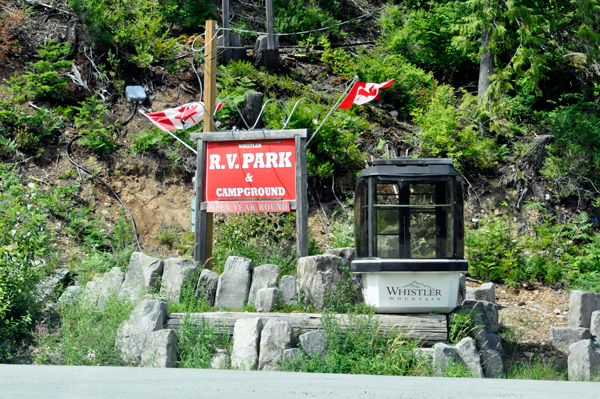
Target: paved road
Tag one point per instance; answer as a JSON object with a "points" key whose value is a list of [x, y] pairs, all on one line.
{"points": [[66, 382]]}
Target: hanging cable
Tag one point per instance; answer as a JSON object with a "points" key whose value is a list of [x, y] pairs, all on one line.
{"points": [[198, 76], [135, 231], [308, 31], [135, 107], [236, 107], [315, 121], [263, 108]]}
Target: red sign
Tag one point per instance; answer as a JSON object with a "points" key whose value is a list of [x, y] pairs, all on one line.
{"points": [[247, 206], [250, 173]]}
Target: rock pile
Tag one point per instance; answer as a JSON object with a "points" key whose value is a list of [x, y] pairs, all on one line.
{"points": [[482, 356], [262, 345], [581, 337]]}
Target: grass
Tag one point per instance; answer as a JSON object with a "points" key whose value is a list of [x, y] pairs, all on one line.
{"points": [[536, 370], [85, 336], [199, 342], [365, 347]]}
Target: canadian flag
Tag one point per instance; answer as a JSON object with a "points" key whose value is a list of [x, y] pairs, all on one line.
{"points": [[362, 93], [180, 118]]}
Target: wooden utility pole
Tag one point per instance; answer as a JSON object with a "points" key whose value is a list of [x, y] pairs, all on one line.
{"points": [[226, 32], [270, 35], [267, 52], [204, 220]]}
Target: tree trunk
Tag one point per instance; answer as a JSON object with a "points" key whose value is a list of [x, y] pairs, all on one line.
{"points": [[486, 64]]}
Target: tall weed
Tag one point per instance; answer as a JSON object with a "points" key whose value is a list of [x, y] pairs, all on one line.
{"points": [[365, 347], [199, 342], [87, 335]]}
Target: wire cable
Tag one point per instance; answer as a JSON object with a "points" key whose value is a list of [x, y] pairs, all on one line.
{"points": [[135, 107], [236, 107], [315, 121], [198, 76], [263, 108], [308, 31], [135, 231]]}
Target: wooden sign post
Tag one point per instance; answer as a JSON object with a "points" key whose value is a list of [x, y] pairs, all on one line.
{"points": [[250, 171]]}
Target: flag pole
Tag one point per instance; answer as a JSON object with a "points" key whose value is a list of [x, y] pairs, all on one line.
{"points": [[337, 103], [166, 131]]}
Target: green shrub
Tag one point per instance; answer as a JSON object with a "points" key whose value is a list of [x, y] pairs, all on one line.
{"points": [[199, 342], [301, 15], [87, 333], [424, 36], [364, 347], [188, 14], [341, 291], [554, 253], [262, 237], [48, 80], [444, 132], [25, 254], [23, 130], [133, 25], [94, 132], [461, 325], [342, 229], [167, 235], [147, 140], [574, 162]]}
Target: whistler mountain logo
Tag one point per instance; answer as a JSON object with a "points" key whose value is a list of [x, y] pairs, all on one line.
{"points": [[414, 291], [416, 285]]}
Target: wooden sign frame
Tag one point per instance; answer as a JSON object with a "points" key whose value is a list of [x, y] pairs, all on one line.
{"points": [[203, 236]]}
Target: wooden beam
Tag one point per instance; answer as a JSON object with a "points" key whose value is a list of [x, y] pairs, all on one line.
{"points": [[429, 329], [203, 240], [301, 199], [233, 135]]}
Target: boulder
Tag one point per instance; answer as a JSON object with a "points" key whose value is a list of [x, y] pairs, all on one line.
{"points": [[584, 360], [462, 290], [49, 287], [347, 253], [487, 340], [288, 289], [443, 356], [291, 353], [264, 276], [485, 313], [150, 315], [220, 360], [142, 275], [100, 289], [177, 272], [207, 286], [581, 306], [595, 325], [71, 294], [312, 272], [246, 338], [491, 361], [268, 299], [160, 349], [467, 351], [234, 284], [485, 292], [563, 337], [314, 343], [275, 337]]}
